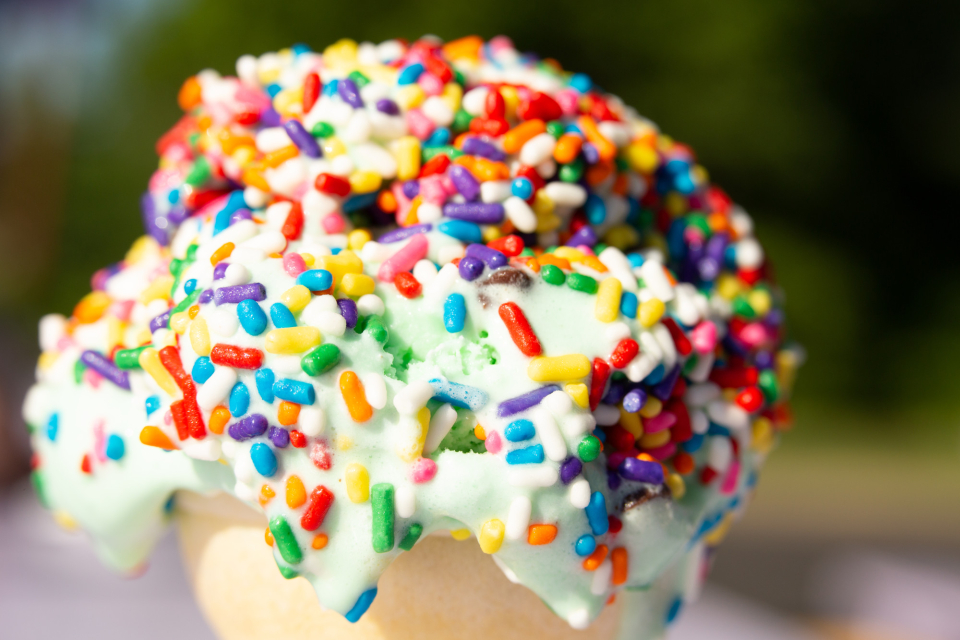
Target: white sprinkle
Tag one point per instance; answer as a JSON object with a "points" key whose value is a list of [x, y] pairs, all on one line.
{"points": [[601, 578], [640, 367], [440, 425], [413, 397], [558, 403], [520, 214], [719, 454], [370, 304], [329, 322], [437, 110], [216, 388], [748, 254], [566, 194], [405, 501], [728, 414], [311, 421], [665, 340], [474, 101], [699, 421], [580, 493], [53, 326], [429, 212], [518, 518], [537, 149], [701, 371], [268, 242], [272, 138], [425, 272], [656, 280], [698, 395], [553, 443], [206, 449], [375, 389], [235, 274], [495, 190], [579, 619], [607, 415], [542, 475], [579, 424]]}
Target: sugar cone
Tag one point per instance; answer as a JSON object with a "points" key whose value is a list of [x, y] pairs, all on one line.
{"points": [[441, 589]]}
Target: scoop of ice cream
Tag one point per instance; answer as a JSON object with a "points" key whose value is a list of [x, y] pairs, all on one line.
{"points": [[563, 341]]}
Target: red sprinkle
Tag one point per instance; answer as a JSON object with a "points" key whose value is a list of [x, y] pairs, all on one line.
{"points": [[625, 351], [494, 104], [320, 456], [230, 355], [520, 330], [509, 246], [297, 439], [682, 430], [437, 164], [85, 465], [178, 412], [311, 91], [539, 105], [438, 68], [750, 399], [321, 499], [730, 377], [293, 225], [407, 285], [598, 381], [680, 339], [530, 173], [334, 185], [170, 359], [614, 523], [708, 475], [492, 127]]}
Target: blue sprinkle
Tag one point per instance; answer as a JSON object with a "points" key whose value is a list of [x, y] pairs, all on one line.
{"points": [[519, 430], [674, 610], [53, 425], [153, 402], [528, 455], [459, 395], [300, 49], [173, 197], [265, 379], [316, 279], [235, 202], [357, 202], [462, 230], [628, 304], [330, 88], [264, 459], [115, 447], [522, 188], [335, 251], [717, 430], [597, 514], [454, 313], [252, 318], [656, 375], [410, 74], [439, 138], [585, 545], [363, 603], [596, 209], [693, 444], [581, 82], [281, 316], [636, 260], [239, 399], [294, 391], [201, 372], [189, 286], [274, 89], [600, 435]]}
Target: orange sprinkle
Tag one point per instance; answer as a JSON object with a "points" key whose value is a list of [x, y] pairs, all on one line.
{"points": [[154, 437], [219, 418], [190, 94], [353, 395], [222, 253], [466, 47], [568, 148], [683, 462], [254, 178], [203, 123], [599, 172], [620, 184], [387, 202], [549, 258], [287, 413], [485, 170], [670, 278], [480, 432], [412, 218], [514, 139], [533, 264], [268, 537], [458, 141], [193, 311], [718, 222], [594, 263], [266, 494], [296, 493], [619, 559], [92, 307], [595, 559], [319, 541], [276, 158], [606, 149], [275, 255], [539, 534]]}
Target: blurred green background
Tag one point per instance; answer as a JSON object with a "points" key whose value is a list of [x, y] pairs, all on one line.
{"points": [[835, 124]]}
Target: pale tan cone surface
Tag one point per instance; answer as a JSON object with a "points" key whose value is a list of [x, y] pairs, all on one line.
{"points": [[441, 589]]}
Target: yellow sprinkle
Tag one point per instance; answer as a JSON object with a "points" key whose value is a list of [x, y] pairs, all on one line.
{"points": [[728, 286], [718, 533], [677, 486], [510, 99], [296, 297], [631, 422], [343, 442], [607, 307], [159, 289], [114, 332], [642, 159], [787, 363], [150, 362], [46, 359], [491, 535], [654, 440], [357, 479], [357, 238], [296, 493], [559, 368], [289, 102], [490, 233], [64, 520], [333, 146], [460, 534], [452, 95], [292, 340], [365, 181], [142, 248], [570, 254], [760, 300], [406, 150], [579, 393], [409, 96], [622, 236], [357, 284], [179, 322], [308, 259], [651, 408], [675, 203], [340, 264], [144, 336], [650, 312], [414, 447], [762, 440], [200, 337]]}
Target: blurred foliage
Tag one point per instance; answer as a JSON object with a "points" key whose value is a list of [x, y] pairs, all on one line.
{"points": [[833, 123]]}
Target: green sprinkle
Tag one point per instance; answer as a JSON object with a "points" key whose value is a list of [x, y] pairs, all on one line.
{"points": [[429, 153], [176, 266], [186, 302], [381, 498], [322, 130], [572, 172], [411, 536], [699, 221], [461, 121], [285, 540], [769, 385], [288, 573], [599, 247], [588, 449], [193, 140], [361, 324], [192, 252], [580, 282], [320, 360], [78, 369], [459, 78], [199, 173], [129, 358], [555, 128], [360, 79], [527, 253], [375, 326], [690, 364], [37, 481], [621, 164], [743, 309], [552, 274]]}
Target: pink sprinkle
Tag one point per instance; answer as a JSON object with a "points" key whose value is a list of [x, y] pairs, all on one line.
{"points": [[730, 480], [422, 470], [92, 378], [493, 442], [704, 337], [569, 101], [659, 422], [334, 223], [121, 309], [100, 441], [753, 335], [419, 124], [320, 456], [664, 452], [404, 259], [167, 418], [252, 97], [587, 251], [403, 202], [432, 190], [165, 179], [431, 84], [64, 343], [693, 234], [293, 264], [300, 190]]}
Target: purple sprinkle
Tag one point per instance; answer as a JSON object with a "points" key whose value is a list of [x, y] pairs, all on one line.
{"points": [[479, 212], [590, 153], [239, 293], [348, 90], [763, 360], [491, 257], [717, 245], [709, 268], [464, 181], [177, 214], [470, 268], [618, 388], [641, 470], [613, 480], [478, 147], [240, 214], [269, 117], [524, 402], [302, 138], [634, 400], [570, 469], [151, 220], [403, 233], [279, 436], [220, 270], [348, 309], [106, 368], [250, 427], [411, 188], [160, 322], [664, 388], [585, 235], [98, 281], [774, 318], [388, 106], [206, 296]]}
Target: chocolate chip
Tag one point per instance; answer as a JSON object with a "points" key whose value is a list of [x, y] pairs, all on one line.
{"points": [[645, 494], [507, 276]]}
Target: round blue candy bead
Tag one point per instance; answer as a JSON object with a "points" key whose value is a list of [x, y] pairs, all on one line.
{"points": [[115, 447], [585, 545], [522, 188]]}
